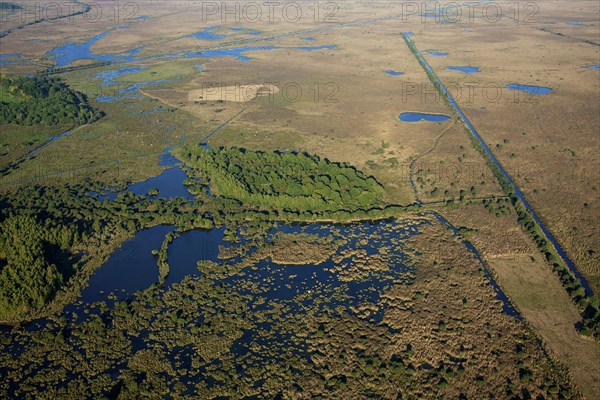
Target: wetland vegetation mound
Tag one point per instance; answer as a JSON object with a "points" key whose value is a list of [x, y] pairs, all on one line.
{"points": [[277, 180], [43, 100], [300, 249]]}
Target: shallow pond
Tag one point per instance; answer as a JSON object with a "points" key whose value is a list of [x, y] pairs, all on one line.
{"points": [[189, 248], [529, 88], [121, 90], [129, 269], [169, 183], [237, 52], [126, 91], [108, 77], [11, 58], [207, 34], [315, 48], [465, 69], [133, 267], [417, 117], [436, 53], [246, 31], [68, 53], [392, 72]]}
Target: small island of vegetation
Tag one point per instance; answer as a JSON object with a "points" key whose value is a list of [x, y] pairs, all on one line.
{"points": [[295, 181]]}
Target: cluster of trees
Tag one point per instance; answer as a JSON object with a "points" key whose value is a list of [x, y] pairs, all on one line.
{"points": [[33, 258], [498, 207], [276, 180], [60, 70], [43, 100], [42, 229], [589, 305]]}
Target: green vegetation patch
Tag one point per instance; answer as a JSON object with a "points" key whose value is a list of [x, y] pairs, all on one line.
{"points": [[300, 249], [43, 100], [296, 181], [173, 70], [52, 238], [29, 255]]}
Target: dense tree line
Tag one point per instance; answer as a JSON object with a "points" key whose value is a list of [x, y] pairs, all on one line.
{"points": [[43, 229], [32, 255], [43, 100], [69, 68], [275, 180], [588, 304]]}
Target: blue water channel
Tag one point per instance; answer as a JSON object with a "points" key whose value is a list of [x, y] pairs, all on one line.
{"points": [[51, 140], [10, 58], [68, 53], [515, 188], [169, 183]]}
